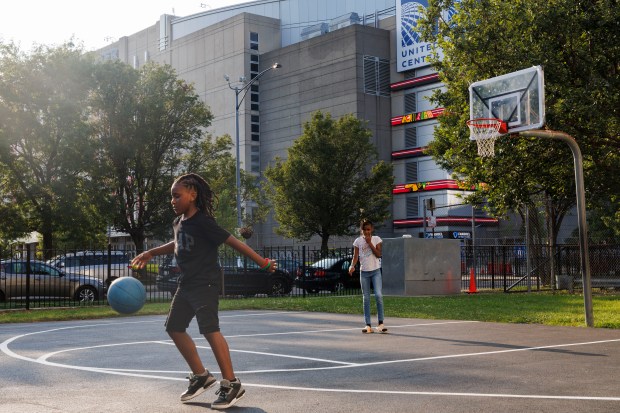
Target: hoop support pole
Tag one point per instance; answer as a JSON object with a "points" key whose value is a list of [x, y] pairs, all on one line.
{"points": [[581, 213]]}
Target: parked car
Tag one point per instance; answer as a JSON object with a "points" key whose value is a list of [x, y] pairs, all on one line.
{"points": [[289, 265], [168, 273], [328, 274], [239, 279], [46, 281], [94, 264]]}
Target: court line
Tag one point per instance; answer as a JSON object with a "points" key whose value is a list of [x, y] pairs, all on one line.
{"points": [[43, 360], [283, 333]]}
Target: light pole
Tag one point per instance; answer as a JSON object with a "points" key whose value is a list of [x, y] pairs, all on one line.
{"points": [[243, 88]]}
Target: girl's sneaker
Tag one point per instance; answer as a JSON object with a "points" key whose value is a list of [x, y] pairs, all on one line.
{"points": [[381, 329], [367, 330]]}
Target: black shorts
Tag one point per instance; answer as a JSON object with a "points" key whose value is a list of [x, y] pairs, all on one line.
{"points": [[202, 302]]}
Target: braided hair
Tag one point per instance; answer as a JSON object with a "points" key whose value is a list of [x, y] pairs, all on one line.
{"points": [[204, 195]]}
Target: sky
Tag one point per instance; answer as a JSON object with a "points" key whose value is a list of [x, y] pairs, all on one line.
{"points": [[93, 23]]}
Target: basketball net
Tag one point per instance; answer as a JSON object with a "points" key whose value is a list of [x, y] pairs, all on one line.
{"points": [[485, 132]]}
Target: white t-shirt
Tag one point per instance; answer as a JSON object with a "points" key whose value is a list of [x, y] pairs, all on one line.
{"points": [[368, 260]]}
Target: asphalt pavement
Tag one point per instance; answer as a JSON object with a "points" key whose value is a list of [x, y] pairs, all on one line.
{"points": [[313, 362]]}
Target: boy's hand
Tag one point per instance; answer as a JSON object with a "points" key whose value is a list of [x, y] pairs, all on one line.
{"points": [[272, 265], [141, 259]]}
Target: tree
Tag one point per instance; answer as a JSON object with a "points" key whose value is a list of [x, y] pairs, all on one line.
{"points": [[44, 142], [212, 159], [327, 182], [145, 120], [578, 44]]}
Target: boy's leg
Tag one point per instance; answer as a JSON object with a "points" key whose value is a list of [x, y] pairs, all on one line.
{"points": [[188, 350], [219, 346], [231, 389], [200, 379]]}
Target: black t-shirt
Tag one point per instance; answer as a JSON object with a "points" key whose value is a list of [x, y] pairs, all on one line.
{"points": [[196, 240]]}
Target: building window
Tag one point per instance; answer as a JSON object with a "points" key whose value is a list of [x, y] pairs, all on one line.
{"points": [[411, 171], [411, 137], [255, 159], [254, 97], [254, 65], [255, 128], [411, 103], [253, 41], [376, 76], [413, 207]]}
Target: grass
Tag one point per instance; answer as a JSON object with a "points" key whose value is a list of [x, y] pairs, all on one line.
{"points": [[559, 309]]}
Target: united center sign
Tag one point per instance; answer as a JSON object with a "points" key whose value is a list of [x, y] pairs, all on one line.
{"points": [[411, 51]]}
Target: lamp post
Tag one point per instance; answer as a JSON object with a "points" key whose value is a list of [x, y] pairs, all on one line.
{"points": [[243, 88]]}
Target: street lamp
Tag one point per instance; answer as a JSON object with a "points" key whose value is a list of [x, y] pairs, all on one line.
{"points": [[243, 88]]}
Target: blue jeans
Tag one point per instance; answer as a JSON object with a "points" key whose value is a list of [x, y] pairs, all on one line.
{"points": [[366, 277]]}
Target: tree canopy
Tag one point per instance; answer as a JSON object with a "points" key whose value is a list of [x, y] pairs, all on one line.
{"points": [[330, 179], [144, 120], [578, 45], [212, 159], [45, 145], [86, 146]]}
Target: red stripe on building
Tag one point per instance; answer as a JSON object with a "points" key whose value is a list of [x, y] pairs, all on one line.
{"points": [[408, 153], [419, 222], [413, 82]]}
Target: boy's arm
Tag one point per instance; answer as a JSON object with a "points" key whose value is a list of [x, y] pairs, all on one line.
{"points": [[141, 259], [246, 250]]}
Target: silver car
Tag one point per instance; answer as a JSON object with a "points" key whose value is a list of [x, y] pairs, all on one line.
{"points": [[46, 281], [94, 264]]}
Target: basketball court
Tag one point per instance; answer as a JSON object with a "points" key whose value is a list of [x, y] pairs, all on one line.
{"points": [[309, 362]]}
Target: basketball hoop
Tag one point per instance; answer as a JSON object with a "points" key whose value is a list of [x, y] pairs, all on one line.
{"points": [[485, 131]]}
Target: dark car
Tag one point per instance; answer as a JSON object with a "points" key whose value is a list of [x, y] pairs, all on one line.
{"points": [[289, 265], [240, 278], [328, 274], [46, 281], [168, 273]]}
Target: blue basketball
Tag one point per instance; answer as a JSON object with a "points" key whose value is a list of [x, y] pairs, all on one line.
{"points": [[126, 295]]}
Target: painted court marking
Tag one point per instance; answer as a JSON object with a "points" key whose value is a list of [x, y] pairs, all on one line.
{"points": [[333, 364]]}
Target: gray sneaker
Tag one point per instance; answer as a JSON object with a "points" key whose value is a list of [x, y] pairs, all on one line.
{"points": [[197, 385], [229, 393]]}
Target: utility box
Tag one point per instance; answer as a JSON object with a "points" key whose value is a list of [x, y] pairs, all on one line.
{"points": [[419, 266]]}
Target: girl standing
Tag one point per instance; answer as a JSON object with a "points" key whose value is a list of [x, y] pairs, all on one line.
{"points": [[367, 248]]}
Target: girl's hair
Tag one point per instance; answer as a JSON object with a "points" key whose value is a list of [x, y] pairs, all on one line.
{"points": [[365, 221], [204, 195]]}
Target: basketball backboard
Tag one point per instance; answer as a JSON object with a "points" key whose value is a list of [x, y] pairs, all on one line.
{"points": [[518, 98]]}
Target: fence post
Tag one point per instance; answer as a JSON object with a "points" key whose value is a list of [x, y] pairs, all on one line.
{"points": [[303, 270], [493, 252], [503, 267], [28, 277]]}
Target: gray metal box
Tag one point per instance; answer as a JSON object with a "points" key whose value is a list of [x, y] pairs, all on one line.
{"points": [[418, 266]]}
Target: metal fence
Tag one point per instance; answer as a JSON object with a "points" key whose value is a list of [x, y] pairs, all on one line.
{"points": [[81, 278]]}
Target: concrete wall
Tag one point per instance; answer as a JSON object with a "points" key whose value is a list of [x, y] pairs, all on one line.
{"points": [[414, 266]]}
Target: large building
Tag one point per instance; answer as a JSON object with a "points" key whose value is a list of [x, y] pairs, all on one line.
{"points": [[336, 56]]}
